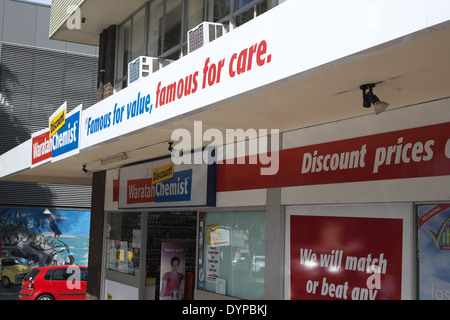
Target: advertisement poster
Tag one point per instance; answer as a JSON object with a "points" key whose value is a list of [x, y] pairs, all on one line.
{"points": [[434, 251], [39, 238], [345, 258], [173, 266]]}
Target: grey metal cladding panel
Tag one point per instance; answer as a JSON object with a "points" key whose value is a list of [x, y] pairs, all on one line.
{"points": [[81, 81], [38, 81], [2, 10], [12, 132], [19, 23], [71, 195], [82, 48], [19, 61], [44, 195], [13, 129], [47, 81], [42, 27], [28, 23]]}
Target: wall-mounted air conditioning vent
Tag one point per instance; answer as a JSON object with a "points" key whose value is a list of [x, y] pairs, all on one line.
{"points": [[141, 67], [204, 33]]}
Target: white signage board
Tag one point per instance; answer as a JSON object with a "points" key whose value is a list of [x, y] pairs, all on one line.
{"points": [[162, 184]]}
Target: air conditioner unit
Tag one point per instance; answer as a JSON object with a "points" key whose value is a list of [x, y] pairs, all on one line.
{"points": [[141, 67], [204, 33]]}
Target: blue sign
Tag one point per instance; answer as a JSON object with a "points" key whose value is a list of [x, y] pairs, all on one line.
{"points": [[66, 141], [177, 188]]}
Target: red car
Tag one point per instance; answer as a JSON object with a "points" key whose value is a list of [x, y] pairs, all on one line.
{"points": [[55, 283]]}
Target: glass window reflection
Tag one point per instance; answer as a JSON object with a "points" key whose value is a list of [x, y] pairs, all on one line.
{"points": [[233, 251], [123, 242]]}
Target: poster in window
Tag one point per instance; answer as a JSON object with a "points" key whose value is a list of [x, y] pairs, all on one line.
{"points": [[173, 266], [212, 234], [212, 263], [345, 258], [434, 251]]}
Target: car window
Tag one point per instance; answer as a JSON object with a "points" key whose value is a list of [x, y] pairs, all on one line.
{"points": [[31, 275], [48, 275], [63, 274], [60, 274], [10, 262], [84, 274], [77, 272]]}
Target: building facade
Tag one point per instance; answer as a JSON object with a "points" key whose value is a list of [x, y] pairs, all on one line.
{"points": [[260, 149], [36, 73]]}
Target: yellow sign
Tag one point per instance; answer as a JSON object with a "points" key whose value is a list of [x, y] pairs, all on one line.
{"points": [[57, 122], [212, 234], [162, 173]]}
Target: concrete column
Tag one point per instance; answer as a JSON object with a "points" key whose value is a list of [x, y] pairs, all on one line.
{"points": [[93, 289], [275, 231]]}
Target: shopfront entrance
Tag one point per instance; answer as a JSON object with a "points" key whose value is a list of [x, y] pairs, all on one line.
{"points": [[151, 227], [170, 256], [150, 255]]}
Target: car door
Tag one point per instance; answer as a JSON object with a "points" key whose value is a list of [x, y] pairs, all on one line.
{"points": [[66, 284]]}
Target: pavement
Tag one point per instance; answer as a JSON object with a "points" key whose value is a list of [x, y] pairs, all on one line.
{"points": [[10, 293]]}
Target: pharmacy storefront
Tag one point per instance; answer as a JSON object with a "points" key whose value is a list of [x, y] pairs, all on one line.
{"points": [[165, 236], [275, 185], [365, 214], [351, 214]]}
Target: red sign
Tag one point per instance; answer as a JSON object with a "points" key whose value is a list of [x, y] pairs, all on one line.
{"points": [[417, 152], [345, 258], [140, 191], [41, 148]]}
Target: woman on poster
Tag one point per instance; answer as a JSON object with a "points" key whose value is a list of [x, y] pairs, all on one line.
{"points": [[171, 280]]}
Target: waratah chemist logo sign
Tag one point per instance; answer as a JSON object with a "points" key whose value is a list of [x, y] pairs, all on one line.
{"points": [[183, 185], [60, 140]]}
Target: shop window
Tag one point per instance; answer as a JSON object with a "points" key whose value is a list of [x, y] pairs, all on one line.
{"points": [[232, 254], [124, 242], [171, 240]]}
